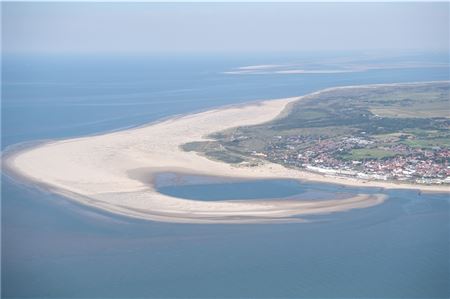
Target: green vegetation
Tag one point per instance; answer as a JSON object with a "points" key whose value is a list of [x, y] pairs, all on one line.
{"points": [[421, 102], [428, 143], [371, 153], [213, 150]]}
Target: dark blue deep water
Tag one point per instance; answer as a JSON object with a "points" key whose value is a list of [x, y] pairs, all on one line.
{"points": [[53, 248]]}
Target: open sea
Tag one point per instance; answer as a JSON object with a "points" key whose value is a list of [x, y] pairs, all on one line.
{"points": [[54, 248]]}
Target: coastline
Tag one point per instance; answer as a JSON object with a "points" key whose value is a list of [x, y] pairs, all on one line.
{"points": [[96, 170]]}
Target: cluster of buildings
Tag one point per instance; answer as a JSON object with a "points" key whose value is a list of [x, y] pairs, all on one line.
{"points": [[334, 157]]}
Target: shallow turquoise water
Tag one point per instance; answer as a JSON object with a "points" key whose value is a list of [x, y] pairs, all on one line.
{"points": [[52, 247]]}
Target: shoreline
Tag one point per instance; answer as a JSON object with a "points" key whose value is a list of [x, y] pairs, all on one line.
{"points": [[95, 170]]}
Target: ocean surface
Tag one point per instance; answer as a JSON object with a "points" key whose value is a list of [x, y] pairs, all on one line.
{"points": [[54, 248]]}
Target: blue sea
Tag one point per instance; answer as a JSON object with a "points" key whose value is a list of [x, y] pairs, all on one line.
{"points": [[54, 248]]}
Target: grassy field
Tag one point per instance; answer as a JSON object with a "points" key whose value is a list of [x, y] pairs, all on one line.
{"points": [[370, 153]]}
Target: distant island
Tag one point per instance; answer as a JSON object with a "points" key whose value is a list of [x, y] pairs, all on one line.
{"points": [[385, 132]]}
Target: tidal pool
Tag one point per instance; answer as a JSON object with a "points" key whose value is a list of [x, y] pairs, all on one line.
{"points": [[214, 188]]}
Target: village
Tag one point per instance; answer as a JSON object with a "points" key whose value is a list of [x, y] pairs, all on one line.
{"points": [[329, 156]]}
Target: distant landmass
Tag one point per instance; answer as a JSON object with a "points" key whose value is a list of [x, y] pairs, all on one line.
{"points": [[394, 132]]}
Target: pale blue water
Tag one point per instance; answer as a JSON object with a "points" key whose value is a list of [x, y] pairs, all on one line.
{"points": [[208, 188], [52, 247]]}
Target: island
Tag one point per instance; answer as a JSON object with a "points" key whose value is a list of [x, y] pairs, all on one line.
{"points": [[293, 138]]}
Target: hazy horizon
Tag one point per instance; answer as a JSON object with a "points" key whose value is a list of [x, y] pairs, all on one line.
{"points": [[145, 28]]}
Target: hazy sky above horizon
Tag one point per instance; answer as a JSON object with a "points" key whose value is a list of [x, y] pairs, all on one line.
{"points": [[237, 27]]}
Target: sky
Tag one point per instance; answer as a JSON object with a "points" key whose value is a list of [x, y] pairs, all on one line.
{"points": [[57, 27]]}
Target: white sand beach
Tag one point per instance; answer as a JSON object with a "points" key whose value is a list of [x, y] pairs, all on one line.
{"points": [[99, 171]]}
